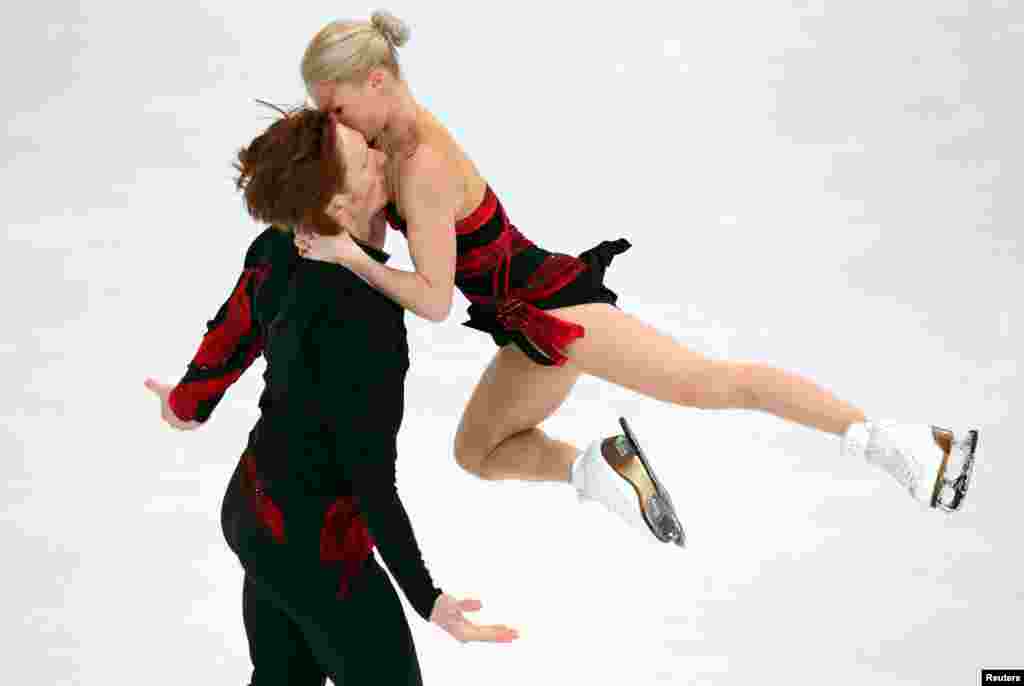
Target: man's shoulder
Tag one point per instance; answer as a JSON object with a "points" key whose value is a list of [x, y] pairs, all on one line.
{"points": [[272, 244]]}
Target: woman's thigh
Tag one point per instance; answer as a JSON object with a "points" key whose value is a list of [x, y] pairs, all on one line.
{"points": [[513, 394], [621, 348]]}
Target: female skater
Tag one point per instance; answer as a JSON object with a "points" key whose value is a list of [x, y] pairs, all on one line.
{"points": [[314, 490], [551, 315]]}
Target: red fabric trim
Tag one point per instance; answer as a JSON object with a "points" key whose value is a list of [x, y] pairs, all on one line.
{"points": [[549, 334], [514, 312], [345, 538], [489, 257], [476, 219], [267, 510], [480, 216], [184, 398], [220, 342], [553, 274], [182, 404]]}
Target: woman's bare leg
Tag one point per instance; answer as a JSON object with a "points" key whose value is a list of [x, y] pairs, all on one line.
{"points": [[498, 436], [622, 349]]}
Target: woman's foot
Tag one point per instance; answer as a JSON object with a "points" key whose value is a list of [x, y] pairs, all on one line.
{"points": [[933, 464], [614, 472]]}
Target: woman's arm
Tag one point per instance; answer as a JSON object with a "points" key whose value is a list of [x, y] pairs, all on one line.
{"points": [[430, 200]]}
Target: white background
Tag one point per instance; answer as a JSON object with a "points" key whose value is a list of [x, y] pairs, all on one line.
{"points": [[831, 187]]}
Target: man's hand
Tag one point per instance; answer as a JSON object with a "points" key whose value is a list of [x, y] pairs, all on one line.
{"points": [[163, 392]]}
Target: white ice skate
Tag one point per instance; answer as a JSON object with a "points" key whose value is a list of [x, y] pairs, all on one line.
{"points": [[614, 472], [933, 464]]}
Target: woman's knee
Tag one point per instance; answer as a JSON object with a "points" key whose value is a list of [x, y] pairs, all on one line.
{"points": [[470, 450]]}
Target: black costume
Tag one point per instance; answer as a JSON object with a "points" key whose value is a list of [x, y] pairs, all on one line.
{"points": [[315, 488], [510, 281]]}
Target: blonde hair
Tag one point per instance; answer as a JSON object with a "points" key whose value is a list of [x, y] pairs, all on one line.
{"points": [[345, 51]]}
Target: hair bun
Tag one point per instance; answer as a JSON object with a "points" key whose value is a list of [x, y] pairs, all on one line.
{"points": [[391, 27]]}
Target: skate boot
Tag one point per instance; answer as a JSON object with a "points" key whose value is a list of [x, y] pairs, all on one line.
{"points": [[933, 464], [615, 472]]}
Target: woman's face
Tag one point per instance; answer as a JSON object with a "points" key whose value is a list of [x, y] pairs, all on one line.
{"points": [[360, 106], [365, 184]]}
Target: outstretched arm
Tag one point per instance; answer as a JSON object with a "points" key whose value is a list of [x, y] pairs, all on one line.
{"points": [[232, 341]]}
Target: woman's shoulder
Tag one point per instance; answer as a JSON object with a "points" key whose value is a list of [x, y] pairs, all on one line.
{"points": [[427, 162], [434, 148]]}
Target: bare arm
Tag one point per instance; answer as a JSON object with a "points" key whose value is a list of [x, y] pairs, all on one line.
{"points": [[430, 200]]}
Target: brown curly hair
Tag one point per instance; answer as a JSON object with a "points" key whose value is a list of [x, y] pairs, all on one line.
{"points": [[290, 172]]}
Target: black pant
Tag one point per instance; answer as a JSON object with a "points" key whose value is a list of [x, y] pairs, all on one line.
{"points": [[299, 631]]}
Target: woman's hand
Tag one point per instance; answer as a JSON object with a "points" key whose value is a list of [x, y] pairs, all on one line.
{"points": [[163, 391], [340, 249], [447, 614]]}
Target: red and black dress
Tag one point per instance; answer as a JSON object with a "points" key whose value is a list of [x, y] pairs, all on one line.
{"points": [[314, 491], [510, 281]]}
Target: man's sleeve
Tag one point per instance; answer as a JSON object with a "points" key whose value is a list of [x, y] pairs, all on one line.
{"points": [[232, 341], [364, 406]]}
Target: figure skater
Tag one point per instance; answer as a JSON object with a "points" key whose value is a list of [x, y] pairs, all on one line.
{"points": [[314, 490], [551, 314]]}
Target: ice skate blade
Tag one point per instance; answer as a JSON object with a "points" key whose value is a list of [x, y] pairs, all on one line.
{"points": [[655, 502], [955, 473]]}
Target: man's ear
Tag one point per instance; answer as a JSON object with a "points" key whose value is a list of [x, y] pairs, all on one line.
{"points": [[340, 210], [343, 200]]}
